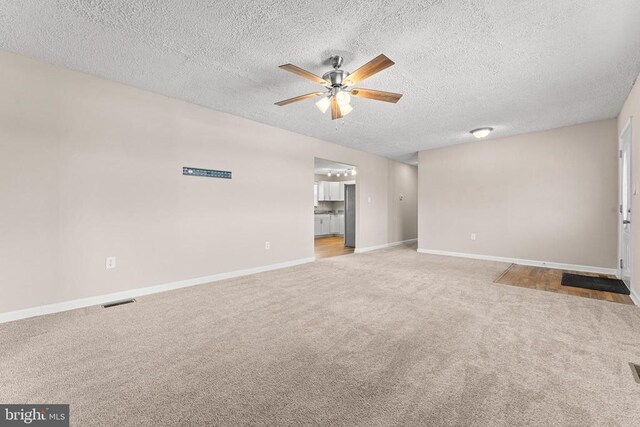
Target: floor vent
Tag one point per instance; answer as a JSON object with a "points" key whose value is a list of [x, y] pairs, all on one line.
{"points": [[116, 303], [636, 371]]}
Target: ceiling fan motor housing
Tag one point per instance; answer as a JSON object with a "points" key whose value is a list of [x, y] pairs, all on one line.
{"points": [[335, 77]]}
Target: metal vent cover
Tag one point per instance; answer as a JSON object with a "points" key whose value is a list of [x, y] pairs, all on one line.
{"points": [[207, 173]]}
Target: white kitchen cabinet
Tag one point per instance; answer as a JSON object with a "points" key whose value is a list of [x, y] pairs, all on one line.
{"points": [[322, 224], [330, 191], [334, 191], [337, 224], [315, 194], [323, 191], [326, 224], [317, 225]]}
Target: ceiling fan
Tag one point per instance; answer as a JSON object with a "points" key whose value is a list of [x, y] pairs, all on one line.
{"points": [[338, 84]]}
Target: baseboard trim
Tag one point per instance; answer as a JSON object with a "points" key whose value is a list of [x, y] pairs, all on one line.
{"points": [[634, 298], [386, 245], [133, 293], [534, 263]]}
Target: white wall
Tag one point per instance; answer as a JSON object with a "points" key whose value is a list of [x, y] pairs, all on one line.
{"points": [[545, 196], [91, 168], [631, 109]]}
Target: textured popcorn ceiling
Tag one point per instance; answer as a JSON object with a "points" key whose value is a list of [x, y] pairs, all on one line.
{"points": [[518, 66]]}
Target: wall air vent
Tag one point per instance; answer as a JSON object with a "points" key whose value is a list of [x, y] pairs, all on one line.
{"points": [[207, 173]]}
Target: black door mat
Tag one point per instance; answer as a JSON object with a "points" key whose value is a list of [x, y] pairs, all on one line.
{"points": [[596, 283]]}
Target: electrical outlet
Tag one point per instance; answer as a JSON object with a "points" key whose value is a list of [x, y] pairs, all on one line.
{"points": [[401, 197], [111, 262], [267, 245], [473, 236]]}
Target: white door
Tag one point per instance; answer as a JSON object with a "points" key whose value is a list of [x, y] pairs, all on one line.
{"points": [[625, 205]]}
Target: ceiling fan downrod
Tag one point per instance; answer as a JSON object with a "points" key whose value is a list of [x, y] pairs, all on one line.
{"points": [[337, 76]]}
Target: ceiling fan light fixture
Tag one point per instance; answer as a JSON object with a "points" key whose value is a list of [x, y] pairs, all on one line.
{"points": [[353, 172], [346, 109], [343, 98], [481, 132], [323, 104]]}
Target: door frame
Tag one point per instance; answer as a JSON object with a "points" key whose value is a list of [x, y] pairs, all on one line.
{"points": [[356, 178], [627, 127], [355, 218]]}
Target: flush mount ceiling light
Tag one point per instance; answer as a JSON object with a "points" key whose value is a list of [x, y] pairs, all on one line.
{"points": [[338, 84], [481, 132]]}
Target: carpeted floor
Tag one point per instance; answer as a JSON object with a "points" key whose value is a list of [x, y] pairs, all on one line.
{"points": [[390, 337]]}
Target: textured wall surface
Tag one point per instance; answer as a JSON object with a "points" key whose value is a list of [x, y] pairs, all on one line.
{"points": [[519, 66], [91, 169], [631, 110], [545, 196]]}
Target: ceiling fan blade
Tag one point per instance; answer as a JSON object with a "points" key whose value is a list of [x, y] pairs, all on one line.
{"points": [[335, 109], [298, 98], [304, 73], [372, 67], [378, 95]]}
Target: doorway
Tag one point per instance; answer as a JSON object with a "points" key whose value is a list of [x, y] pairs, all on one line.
{"points": [[334, 208], [624, 230]]}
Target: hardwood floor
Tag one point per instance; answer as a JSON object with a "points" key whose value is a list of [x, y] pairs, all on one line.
{"points": [[548, 279], [326, 247]]}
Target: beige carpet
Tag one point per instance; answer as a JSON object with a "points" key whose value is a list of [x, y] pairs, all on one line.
{"points": [[385, 338]]}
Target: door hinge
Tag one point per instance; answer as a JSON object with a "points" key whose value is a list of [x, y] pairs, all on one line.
{"points": [[620, 208], [620, 153], [621, 263]]}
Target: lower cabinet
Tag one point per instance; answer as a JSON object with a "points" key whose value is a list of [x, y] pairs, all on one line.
{"points": [[322, 225], [328, 224], [317, 225], [337, 224]]}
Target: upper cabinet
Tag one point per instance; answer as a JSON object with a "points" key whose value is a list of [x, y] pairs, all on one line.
{"points": [[331, 191], [322, 189], [315, 194], [334, 193]]}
